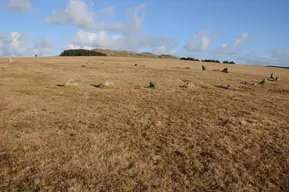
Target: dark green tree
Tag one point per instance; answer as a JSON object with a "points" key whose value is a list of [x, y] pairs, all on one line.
{"points": [[81, 52]]}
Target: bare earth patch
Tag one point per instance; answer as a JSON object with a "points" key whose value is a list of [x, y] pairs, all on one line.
{"points": [[201, 136]]}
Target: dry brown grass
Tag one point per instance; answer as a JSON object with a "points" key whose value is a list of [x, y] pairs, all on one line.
{"points": [[130, 138]]}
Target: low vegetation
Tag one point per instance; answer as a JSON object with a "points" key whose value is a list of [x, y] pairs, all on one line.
{"points": [[81, 52], [228, 62], [206, 60], [189, 59], [211, 61]]}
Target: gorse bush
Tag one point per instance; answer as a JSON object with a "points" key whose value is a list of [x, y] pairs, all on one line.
{"points": [[229, 62], [189, 59], [211, 60], [206, 60], [81, 52]]}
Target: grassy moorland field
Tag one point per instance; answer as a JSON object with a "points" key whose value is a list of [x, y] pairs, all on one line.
{"points": [[131, 138]]}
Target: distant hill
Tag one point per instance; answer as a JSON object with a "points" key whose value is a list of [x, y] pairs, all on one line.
{"points": [[116, 53], [278, 66]]}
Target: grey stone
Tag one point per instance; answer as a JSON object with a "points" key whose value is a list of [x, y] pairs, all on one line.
{"points": [[153, 84], [225, 70], [71, 82], [272, 76]]}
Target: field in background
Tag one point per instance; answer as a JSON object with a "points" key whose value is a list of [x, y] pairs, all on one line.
{"points": [[148, 55], [130, 138]]}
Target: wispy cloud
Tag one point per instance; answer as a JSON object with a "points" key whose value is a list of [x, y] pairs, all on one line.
{"points": [[102, 39], [18, 5], [198, 42], [77, 13], [107, 11], [17, 44], [232, 49], [277, 58], [129, 35]]}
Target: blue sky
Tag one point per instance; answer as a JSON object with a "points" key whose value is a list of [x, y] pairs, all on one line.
{"points": [[253, 32]]}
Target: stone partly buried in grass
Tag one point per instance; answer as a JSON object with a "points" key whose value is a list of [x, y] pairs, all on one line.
{"points": [[225, 70], [249, 83], [273, 78], [227, 86], [153, 84], [188, 84], [69, 83], [263, 82], [104, 84]]}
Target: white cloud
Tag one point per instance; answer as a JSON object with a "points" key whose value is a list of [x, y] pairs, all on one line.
{"points": [[132, 42], [77, 12], [16, 44], [277, 58], [43, 47], [129, 36], [205, 43], [135, 21], [71, 46], [13, 44], [240, 39], [164, 50], [226, 49], [224, 45], [198, 42], [107, 11], [18, 5]]}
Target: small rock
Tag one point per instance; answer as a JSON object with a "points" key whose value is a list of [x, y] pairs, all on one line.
{"points": [[71, 82], [82, 65], [105, 83], [224, 86], [272, 76], [187, 68], [135, 64], [249, 83], [188, 84], [225, 70], [153, 84], [263, 81]]}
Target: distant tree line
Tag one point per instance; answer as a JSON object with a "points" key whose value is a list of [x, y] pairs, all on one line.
{"points": [[189, 59], [206, 60], [229, 62], [81, 52], [211, 61]]}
